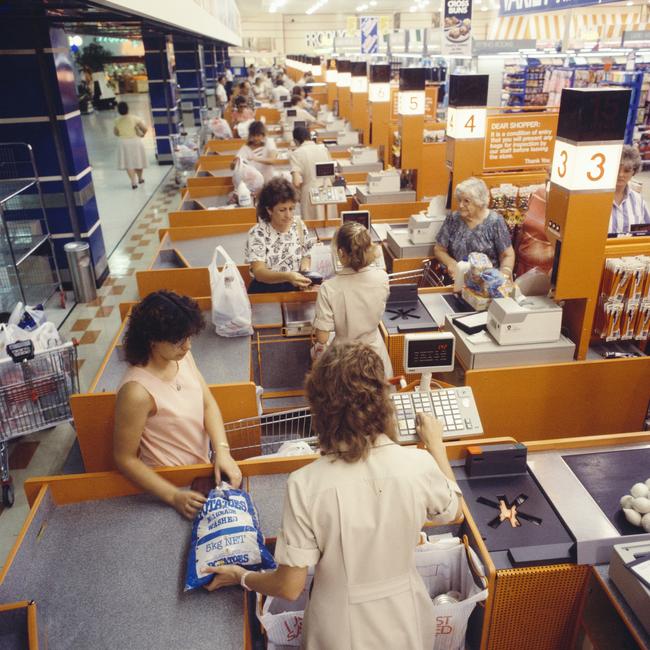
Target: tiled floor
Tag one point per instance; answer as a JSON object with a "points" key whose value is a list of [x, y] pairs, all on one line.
{"points": [[94, 326]]}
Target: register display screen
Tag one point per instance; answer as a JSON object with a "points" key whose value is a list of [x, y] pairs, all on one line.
{"points": [[358, 216], [431, 353], [325, 169], [292, 112]]}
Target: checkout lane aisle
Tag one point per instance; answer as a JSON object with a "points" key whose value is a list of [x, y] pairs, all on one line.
{"points": [[94, 325], [118, 204]]}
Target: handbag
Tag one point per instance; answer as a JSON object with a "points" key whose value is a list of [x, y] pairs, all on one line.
{"points": [[231, 308]]}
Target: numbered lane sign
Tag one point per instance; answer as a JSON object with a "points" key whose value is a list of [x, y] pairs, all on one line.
{"points": [[587, 167], [379, 93], [411, 102], [330, 76], [343, 80], [359, 85], [466, 123]]}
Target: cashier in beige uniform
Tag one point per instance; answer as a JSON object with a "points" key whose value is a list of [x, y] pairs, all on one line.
{"points": [[356, 513], [352, 303], [303, 172]]}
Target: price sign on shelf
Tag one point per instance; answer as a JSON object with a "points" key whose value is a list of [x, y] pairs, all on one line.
{"points": [[588, 167], [466, 123], [379, 93], [411, 102]]}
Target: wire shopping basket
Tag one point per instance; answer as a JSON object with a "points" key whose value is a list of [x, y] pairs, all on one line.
{"points": [[265, 434]]}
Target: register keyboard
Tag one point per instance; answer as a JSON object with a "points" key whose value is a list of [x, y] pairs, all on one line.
{"points": [[454, 407], [327, 195]]}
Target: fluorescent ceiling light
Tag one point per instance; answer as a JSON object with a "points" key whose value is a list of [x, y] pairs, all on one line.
{"points": [[373, 3], [315, 7], [412, 9]]}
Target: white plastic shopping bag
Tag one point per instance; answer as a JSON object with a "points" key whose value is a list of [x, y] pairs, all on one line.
{"points": [[445, 566], [231, 308], [220, 128], [281, 619], [247, 174]]}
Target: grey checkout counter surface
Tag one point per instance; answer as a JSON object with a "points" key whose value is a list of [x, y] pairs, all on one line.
{"points": [[205, 202], [220, 360], [117, 580]]}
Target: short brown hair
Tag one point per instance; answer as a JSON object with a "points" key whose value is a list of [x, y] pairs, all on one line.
{"points": [[349, 400], [277, 190], [354, 240]]}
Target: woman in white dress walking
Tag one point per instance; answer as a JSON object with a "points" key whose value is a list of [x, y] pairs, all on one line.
{"points": [[131, 156]]}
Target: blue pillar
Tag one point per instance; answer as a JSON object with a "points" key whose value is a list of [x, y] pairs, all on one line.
{"points": [[163, 92], [190, 73], [221, 59], [209, 57], [39, 106]]}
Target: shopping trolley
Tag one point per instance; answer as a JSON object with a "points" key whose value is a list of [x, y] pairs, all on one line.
{"points": [[205, 131], [185, 155], [35, 390], [430, 274], [264, 434]]}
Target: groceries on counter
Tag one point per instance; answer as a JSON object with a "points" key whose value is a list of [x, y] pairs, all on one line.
{"points": [[636, 505], [226, 531], [624, 306], [251, 178], [483, 282]]}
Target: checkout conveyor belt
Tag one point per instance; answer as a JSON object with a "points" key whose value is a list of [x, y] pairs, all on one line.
{"points": [[220, 360]]}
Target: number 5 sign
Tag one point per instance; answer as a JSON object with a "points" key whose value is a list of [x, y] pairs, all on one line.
{"points": [[589, 167], [411, 102], [466, 123]]}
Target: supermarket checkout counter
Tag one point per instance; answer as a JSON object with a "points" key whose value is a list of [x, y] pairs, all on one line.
{"points": [[82, 584]]}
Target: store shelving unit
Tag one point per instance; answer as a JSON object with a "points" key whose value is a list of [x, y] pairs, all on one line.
{"points": [[523, 85], [28, 268]]}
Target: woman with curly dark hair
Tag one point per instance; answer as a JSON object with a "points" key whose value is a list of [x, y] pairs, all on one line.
{"points": [[165, 414], [278, 246], [356, 513]]}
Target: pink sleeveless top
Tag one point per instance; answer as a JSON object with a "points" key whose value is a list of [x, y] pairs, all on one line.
{"points": [[175, 435]]}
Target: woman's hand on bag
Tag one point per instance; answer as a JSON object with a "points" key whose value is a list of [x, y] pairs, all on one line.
{"points": [[188, 502], [225, 576], [429, 429], [299, 280], [225, 464]]}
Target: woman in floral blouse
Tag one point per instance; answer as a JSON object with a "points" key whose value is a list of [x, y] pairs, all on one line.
{"points": [[278, 247]]}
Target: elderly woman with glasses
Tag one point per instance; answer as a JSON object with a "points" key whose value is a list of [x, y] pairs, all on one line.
{"points": [[474, 228], [629, 209]]}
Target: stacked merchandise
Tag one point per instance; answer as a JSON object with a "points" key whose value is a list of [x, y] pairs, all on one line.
{"points": [[524, 85], [624, 308], [511, 202]]}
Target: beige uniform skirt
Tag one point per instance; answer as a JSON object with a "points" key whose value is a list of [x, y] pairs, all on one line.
{"points": [[131, 154]]}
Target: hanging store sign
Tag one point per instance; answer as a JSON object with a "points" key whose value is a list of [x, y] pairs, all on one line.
{"points": [[518, 7], [522, 141], [499, 46], [587, 167], [369, 35], [457, 27]]}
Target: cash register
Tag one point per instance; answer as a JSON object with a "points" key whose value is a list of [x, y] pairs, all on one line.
{"points": [[424, 354], [326, 194], [384, 187]]}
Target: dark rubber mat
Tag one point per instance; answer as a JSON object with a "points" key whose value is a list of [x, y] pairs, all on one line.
{"points": [[609, 475]]}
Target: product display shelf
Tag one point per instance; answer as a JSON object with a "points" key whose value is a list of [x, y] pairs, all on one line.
{"points": [[28, 269], [524, 85]]}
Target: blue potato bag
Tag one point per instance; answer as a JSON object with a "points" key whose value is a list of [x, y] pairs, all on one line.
{"points": [[226, 531]]}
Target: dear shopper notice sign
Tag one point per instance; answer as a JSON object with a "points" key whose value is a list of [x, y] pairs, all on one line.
{"points": [[521, 141], [457, 39], [517, 7]]}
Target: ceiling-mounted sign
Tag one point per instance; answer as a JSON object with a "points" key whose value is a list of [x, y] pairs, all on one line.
{"points": [[499, 46], [522, 141], [369, 35], [457, 28], [516, 7]]}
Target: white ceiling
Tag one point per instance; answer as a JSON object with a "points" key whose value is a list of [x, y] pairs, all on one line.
{"points": [[252, 7]]}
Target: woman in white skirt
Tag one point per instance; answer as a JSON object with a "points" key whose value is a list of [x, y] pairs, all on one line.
{"points": [[131, 156]]}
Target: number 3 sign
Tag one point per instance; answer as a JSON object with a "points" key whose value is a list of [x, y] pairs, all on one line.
{"points": [[590, 167]]}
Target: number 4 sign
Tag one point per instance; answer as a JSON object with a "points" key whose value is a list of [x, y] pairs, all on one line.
{"points": [[588, 167], [466, 123]]}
